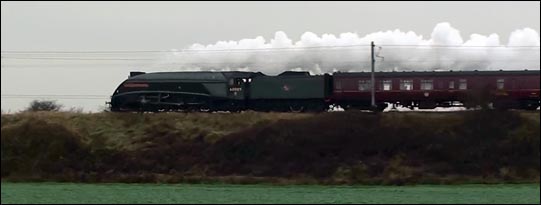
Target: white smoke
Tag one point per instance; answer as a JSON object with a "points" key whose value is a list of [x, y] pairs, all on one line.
{"points": [[445, 50]]}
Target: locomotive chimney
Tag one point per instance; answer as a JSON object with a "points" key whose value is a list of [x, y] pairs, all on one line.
{"points": [[136, 73]]}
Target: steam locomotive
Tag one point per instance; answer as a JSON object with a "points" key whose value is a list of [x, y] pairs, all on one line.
{"points": [[301, 92]]}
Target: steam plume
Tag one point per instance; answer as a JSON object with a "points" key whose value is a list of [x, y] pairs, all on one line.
{"points": [[444, 50]]}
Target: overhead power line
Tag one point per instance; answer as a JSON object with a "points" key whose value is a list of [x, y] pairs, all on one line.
{"points": [[193, 50], [225, 63], [457, 46], [16, 96], [261, 49], [61, 58]]}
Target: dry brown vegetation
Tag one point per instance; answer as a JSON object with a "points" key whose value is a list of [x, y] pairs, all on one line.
{"points": [[250, 147]]}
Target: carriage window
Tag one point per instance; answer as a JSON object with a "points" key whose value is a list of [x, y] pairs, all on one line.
{"points": [[427, 84], [364, 85], [338, 85], [386, 84], [500, 83], [463, 84], [451, 84], [406, 84]]}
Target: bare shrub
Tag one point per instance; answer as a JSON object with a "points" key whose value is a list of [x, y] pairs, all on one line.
{"points": [[44, 105]]}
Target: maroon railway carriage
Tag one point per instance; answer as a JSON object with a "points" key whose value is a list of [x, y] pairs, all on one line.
{"points": [[428, 90]]}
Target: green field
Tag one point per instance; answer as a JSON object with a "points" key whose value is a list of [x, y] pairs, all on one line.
{"points": [[184, 193]]}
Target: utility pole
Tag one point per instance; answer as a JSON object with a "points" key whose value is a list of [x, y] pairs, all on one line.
{"points": [[372, 81]]}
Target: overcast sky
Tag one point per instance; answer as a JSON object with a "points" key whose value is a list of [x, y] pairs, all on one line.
{"points": [[101, 26]]}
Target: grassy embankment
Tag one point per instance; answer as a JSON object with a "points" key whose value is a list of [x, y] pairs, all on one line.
{"points": [[327, 148], [77, 193]]}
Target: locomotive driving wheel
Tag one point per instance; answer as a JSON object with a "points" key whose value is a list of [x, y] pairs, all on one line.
{"points": [[296, 108]]}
